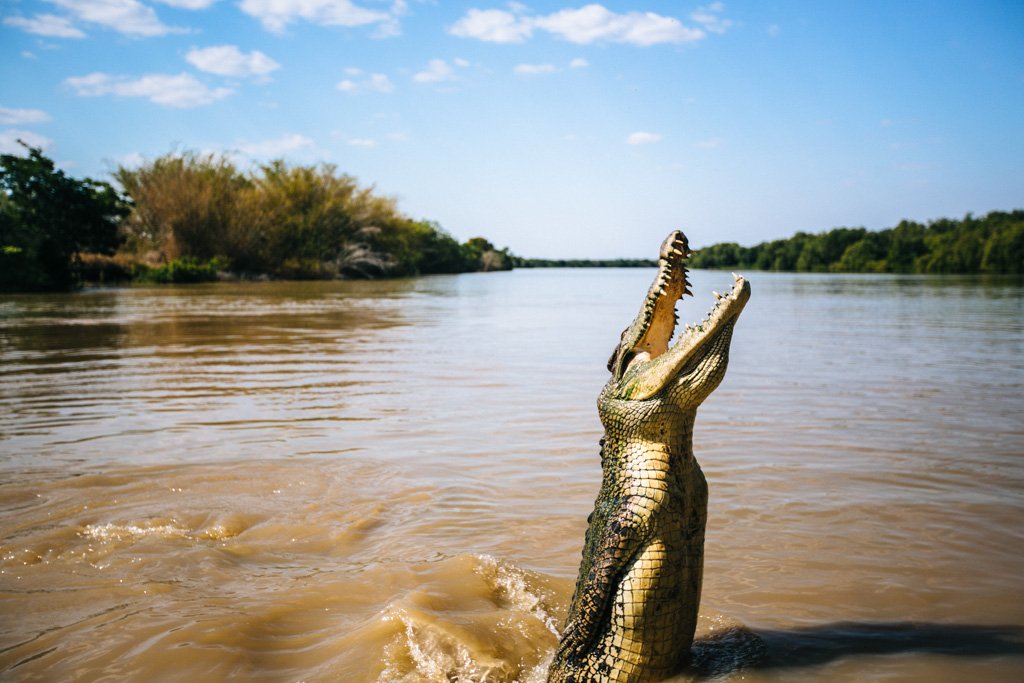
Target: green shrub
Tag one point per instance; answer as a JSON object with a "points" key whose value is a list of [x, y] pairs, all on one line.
{"points": [[182, 271]]}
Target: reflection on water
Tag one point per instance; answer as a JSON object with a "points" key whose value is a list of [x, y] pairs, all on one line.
{"points": [[389, 481]]}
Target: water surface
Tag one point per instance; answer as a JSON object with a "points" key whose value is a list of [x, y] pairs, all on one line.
{"points": [[389, 481]]}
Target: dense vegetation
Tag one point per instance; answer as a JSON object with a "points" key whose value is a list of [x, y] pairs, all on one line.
{"points": [[520, 262], [48, 219], [190, 217], [991, 244]]}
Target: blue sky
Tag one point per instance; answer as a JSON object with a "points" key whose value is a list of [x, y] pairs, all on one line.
{"points": [[556, 129]]}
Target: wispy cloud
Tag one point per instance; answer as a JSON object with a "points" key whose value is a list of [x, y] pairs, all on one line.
{"points": [[188, 4], [374, 82], [20, 117], [180, 91], [228, 60], [9, 140], [129, 17], [277, 147], [709, 143], [642, 138], [534, 69], [709, 16], [49, 25], [579, 63], [437, 71], [130, 159], [361, 142], [276, 15], [591, 23]]}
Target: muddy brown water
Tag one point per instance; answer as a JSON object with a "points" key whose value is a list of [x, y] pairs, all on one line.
{"points": [[389, 481]]}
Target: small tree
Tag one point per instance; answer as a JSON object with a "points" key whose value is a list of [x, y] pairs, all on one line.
{"points": [[47, 219]]}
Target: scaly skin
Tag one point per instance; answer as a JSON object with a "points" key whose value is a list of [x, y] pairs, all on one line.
{"points": [[634, 611]]}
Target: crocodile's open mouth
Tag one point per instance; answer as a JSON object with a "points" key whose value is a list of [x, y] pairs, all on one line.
{"points": [[649, 351]]}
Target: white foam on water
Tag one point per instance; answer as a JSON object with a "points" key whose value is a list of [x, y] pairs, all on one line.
{"points": [[438, 657], [133, 532], [442, 646], [114, 532], [511, 584]]}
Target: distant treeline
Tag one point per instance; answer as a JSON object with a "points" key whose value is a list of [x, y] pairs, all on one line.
{"points": [[991, 244], [190, 217], [520, 262]]}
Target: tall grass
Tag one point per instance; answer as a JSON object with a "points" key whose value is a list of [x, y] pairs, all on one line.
{"points": [[281, 220]]}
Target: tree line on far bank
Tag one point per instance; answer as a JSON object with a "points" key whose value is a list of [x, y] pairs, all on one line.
{"points": [[993, 243], [189, 217]]}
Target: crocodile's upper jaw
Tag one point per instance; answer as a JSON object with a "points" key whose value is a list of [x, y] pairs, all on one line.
{"points": [[643, 364]]}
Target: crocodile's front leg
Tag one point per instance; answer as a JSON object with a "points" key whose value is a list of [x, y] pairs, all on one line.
{"points": [[612, 541]]}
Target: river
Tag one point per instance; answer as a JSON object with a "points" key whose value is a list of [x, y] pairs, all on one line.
{"points": [[389, 481]]}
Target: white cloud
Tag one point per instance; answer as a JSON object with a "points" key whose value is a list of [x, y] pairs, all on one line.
{"points": [[9, 140], [277, 147], [579, 63], [181, 91], [361, 142], [49, 25], [188, 4], [228, 60], [642, 138], [534, 69], [460, 62], [275, 15], [588, 24], [129, 17], [774, 30], [437, 71], [380, 83], [375, 82], [130, 160], [492, 26], [593, 23], [708, 17], [19, 117]]}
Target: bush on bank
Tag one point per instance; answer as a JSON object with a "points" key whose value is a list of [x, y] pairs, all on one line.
{"points": [[190, 217], [281, 220]]}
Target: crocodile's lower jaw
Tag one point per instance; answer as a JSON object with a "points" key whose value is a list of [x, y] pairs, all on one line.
{"points": [[727, 307]]}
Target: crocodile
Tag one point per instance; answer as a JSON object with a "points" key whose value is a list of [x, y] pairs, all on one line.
{"points": [[634, 611]]}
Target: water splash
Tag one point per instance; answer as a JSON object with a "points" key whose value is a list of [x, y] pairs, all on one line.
{"points": [[513, 585], [474, 619]]}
